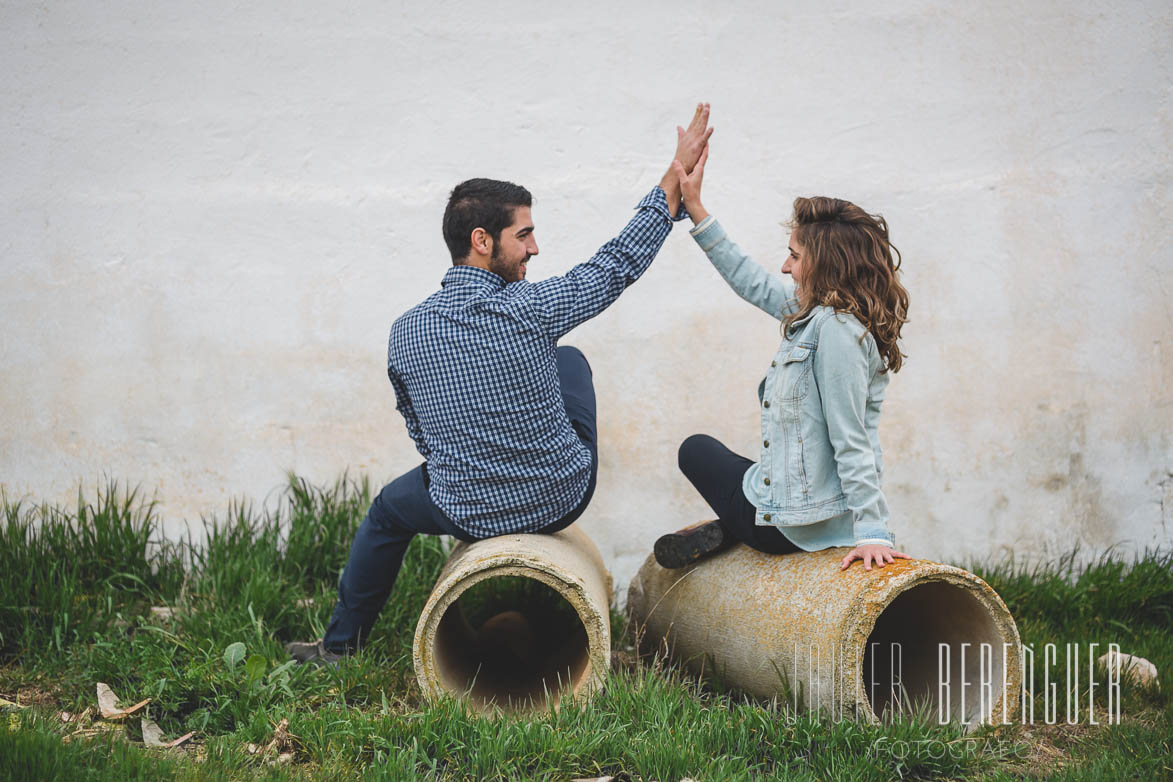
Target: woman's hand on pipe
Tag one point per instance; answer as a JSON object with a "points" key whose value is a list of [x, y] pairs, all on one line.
{"points": [[872, 552]]}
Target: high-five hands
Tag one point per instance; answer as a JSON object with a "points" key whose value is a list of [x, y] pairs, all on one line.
{"points": [[691, 144], [690, 186]]}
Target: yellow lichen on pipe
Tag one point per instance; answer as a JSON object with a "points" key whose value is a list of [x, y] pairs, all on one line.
{"points": [[517, 622], [851, 643]]}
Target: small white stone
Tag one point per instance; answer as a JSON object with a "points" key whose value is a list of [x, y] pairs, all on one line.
{"points": [[1132, 667]]}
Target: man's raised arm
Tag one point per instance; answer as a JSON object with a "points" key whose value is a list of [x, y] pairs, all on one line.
{"points": [[590, 287]]}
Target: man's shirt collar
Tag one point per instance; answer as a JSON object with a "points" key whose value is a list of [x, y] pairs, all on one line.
{"points": [[472, 275]]}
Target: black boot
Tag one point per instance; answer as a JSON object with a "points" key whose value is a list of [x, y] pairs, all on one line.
{"points": [[685, 546]]}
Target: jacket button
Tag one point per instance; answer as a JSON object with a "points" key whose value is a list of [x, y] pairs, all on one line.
{"points": [[767, 481], [773, 363], [765, 517], [765, 443], [766, 403]]}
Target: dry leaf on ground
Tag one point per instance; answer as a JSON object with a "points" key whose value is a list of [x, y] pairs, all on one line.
{"points": [[153, 735], [108, 704], [101, 728], [280, 750], [78, 719], [84, 719]]}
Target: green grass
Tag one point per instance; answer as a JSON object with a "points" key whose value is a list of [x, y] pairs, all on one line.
{"points": [[77, 585]]}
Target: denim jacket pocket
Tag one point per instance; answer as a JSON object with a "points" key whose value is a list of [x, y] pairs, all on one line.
{"points": [[795, 374]]}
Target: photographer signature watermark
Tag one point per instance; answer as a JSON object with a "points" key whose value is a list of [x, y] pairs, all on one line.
{"points": [[959, 749], [966, 682]]}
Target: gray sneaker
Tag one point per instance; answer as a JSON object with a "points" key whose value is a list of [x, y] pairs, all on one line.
{"points": [[313, 652]]}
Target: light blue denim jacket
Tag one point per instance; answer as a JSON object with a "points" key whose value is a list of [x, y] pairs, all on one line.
{"points": [[818, 480]]}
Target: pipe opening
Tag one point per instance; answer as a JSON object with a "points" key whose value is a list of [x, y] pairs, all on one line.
{"points": [[513, 642], [904, 668]]}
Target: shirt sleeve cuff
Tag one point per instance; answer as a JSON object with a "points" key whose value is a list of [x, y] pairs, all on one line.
{"points": [[657, 201], [708, 233]]}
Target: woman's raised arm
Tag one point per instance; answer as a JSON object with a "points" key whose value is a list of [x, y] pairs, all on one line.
{"points": [[745, 276], [772, 294]]}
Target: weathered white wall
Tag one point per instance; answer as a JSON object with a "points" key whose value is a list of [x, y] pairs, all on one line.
{"points": [[210, 215]]}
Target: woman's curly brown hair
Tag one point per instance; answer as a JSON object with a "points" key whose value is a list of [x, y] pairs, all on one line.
{"points": [[849, 266]]}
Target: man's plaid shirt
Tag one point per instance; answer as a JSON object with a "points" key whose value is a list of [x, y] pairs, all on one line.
{"points": [[475, 379]]}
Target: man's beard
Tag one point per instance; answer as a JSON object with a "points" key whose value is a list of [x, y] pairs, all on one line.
{"points": [[500, 267]]}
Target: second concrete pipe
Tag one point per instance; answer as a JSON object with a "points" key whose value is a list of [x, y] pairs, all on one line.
{"points": [[854, 643]]}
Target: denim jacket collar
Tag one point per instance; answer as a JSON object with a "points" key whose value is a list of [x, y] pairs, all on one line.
{"points": [[801, 323]]}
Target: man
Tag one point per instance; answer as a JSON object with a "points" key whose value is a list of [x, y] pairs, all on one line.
{"points": [[504, 418]]}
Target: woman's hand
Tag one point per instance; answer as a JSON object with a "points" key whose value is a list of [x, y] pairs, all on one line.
{"points": [[872, 552], [690, 186]]}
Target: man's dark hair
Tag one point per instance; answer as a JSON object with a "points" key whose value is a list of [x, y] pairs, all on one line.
{"points": [[480, 203]]}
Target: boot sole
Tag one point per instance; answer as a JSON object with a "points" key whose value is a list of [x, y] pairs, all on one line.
{"points": [[677, 550]]}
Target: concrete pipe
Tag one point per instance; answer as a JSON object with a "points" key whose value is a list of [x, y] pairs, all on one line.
{"points": [[856, 643], [517, 622]]}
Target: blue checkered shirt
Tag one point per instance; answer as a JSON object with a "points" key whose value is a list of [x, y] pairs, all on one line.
{"points": [[476, 381]]}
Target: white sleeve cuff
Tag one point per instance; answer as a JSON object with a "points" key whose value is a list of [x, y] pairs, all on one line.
{"points": [[702, 225]]}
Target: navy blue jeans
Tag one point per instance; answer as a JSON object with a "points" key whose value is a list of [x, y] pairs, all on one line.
{"points": [[404, 509]]}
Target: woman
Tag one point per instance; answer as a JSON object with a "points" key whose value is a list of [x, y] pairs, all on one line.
{"points": [[817, 483]]}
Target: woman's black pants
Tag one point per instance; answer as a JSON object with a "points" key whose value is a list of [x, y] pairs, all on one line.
{"points": [[716, 472]]}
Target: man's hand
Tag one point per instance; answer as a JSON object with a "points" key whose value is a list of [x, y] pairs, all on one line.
{"points": [[690, 186], [690, 144], [872, 552]]}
